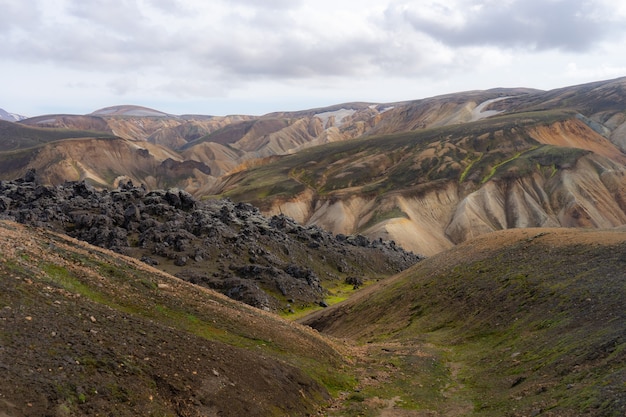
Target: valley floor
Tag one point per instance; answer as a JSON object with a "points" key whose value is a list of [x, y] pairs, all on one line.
{"points": [[403, 380]]}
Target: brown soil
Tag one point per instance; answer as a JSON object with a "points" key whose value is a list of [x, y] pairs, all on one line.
{"points": [[84, 331]]}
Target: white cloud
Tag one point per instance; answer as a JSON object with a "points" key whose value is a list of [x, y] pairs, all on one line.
{"points": [[189, 52], [575, 25]]}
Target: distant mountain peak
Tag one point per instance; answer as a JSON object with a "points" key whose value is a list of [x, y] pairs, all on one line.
{"points": [[129, 110], [10, 117]]}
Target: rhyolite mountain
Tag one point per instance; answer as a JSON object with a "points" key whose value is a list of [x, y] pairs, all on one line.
{"points": [[427, 174], [435, 172]]}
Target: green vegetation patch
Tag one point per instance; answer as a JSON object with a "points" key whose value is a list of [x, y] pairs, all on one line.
{"points": [[62, 277], [381, 215]]}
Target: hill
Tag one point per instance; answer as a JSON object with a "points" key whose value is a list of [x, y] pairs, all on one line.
{"points": [[15, 136], [516, 323], [84, 331], [129, 110]]}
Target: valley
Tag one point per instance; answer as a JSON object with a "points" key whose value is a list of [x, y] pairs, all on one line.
{"points": [[460, 255], [505, 324], [505, 319]]}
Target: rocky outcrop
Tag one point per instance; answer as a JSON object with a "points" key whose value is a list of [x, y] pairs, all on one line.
{"points": [[266, 262]]}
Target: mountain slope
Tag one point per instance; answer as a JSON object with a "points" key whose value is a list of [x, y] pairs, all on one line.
{"points": [[525, 322], [433, 188], [602, 103], [15, 136], [85, 331], [103, 162]]}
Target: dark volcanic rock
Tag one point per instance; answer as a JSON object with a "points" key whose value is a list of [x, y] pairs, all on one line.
{"points": [[229, 247]]}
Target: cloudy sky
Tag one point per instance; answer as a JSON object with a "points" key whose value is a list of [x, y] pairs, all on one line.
{"points": [[258, 56]]}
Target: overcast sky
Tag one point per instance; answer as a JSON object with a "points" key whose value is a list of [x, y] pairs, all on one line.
{"points": [[257, 56]]}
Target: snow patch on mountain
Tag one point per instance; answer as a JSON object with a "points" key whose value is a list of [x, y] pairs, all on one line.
{"points": [[479, 111], [339, 116], [10, 117]]}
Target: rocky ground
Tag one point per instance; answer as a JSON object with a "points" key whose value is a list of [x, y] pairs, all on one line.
{"points": [[87, 332], [271, 263]]}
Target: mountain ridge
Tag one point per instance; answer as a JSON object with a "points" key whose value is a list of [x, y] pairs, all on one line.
{"points": [[477, 139], [11, 117]]}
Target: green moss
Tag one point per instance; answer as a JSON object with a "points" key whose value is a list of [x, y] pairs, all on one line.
{"points": [[382, 215], [494, 168], [469, 167], [62, 277]]}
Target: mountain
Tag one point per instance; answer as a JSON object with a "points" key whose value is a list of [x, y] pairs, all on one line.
{"points": [[128, 110], [518, 196], [435, 188], [427, 173], [517, 323], [10, 117], [543, 163]]}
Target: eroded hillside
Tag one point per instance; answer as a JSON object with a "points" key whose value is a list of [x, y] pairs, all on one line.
{"points": [[431, 189]]}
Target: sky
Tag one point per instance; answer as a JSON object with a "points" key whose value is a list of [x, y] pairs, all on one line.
{"points": [[254, 57]]}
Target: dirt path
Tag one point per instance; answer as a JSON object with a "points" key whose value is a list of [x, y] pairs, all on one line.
{"points": [[402, 380]]}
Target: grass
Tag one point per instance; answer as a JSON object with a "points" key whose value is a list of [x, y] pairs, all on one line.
{"points": [[336, 294], [62, 277], [469, 166], [493, 170], [381, 215], [520, 321]]}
